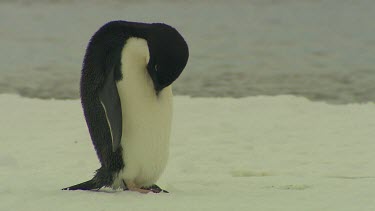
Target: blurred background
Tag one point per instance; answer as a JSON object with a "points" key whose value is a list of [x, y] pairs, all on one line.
{"points": [[320, 49]]}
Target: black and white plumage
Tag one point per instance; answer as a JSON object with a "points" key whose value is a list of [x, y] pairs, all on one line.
{"points": [[126, 97]]}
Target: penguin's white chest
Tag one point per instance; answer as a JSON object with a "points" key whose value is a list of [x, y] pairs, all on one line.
{"points": [[146, 118]]}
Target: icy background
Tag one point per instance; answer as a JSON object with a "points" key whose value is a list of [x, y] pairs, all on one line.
{"points": [[252, 153], [321, 49], [257, 153]]}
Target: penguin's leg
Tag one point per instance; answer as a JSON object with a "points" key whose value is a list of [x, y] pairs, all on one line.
{"points": [[131, 186]]}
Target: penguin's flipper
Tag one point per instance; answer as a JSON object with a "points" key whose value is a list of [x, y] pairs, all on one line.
{"points": [[110, 100]]}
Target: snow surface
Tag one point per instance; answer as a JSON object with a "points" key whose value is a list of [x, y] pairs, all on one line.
{"points": [[256, 153]]}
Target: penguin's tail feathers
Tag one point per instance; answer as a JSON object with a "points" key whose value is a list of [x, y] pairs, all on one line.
{"points": [[88, 185], [102, 178]]}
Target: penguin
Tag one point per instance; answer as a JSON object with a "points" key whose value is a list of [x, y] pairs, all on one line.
{"points": [[126, 96]]}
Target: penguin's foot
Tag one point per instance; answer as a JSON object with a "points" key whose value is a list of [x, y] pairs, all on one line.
{"points": [[130, 186], [155, 189], [139, 190]]}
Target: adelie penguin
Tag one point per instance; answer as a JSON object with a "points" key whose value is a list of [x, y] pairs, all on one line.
{"points": [[126, 97]]}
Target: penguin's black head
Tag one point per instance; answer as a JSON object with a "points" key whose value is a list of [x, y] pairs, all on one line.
{"points": [[168, 55]]}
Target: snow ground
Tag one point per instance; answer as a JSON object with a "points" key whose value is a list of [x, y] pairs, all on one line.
{"points": [[255, 153]]}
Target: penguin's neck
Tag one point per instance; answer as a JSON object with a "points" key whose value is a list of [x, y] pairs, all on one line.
{"points": [[135, 57], [136, 86]]}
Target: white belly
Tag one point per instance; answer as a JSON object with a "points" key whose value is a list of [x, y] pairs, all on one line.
{"points": [[146, 118]]}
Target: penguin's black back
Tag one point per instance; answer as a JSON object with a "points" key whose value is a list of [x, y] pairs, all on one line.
{"points": [[103, 55]]}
